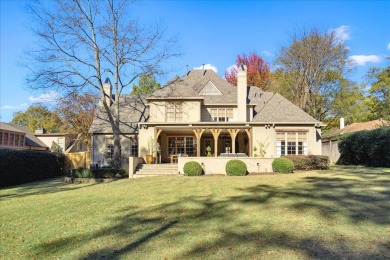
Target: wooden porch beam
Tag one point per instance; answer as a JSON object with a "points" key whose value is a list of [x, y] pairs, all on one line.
{"points": [[198, 134], [233, 134], [249, 133], [216, 133]]}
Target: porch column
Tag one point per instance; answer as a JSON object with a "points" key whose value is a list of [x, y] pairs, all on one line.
{"points": [[249, 133], [157, 133], [215, 133], [198, 133], [233, 133]]}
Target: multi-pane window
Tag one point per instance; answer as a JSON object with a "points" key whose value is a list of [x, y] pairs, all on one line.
{"points": [[21, 141], [109, 147], [134, 148], [291, 143], [11, 139], [61, 143], [175, 112], [221, 114], [16, 140], [5, 139], [181, 145], [1, 137]]}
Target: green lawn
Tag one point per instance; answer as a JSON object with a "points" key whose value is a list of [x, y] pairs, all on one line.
{"points": [[340, 213]]}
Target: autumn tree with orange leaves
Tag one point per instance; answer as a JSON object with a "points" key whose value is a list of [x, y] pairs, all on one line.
{"points": [[257, 71]]}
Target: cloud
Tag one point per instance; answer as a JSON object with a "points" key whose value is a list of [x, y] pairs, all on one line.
{"points": [[388, 46], [361, 60], [232, 67], [267, 53], [207, 66], [17, 107], [49, 97], [342, 32]]}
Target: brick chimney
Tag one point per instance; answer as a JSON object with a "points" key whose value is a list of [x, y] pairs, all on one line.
{"points": [[241, 93]]}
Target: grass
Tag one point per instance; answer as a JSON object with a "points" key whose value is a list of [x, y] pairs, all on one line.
{"points": [[339, 213]]}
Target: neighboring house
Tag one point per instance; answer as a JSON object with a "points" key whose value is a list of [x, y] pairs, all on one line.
{"points": [[202, 109], [62, 139], [18, 137], [330, 139]]}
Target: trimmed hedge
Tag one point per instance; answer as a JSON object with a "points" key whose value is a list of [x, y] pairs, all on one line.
{"points": [[283, 165], [104, 173], [236, 168], [192, 168], [17, 167], [309, 162], [371, 148]]}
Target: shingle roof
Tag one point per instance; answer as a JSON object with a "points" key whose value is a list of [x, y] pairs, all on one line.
{"points": [[355, 127], [268, 107], [193, 82], [8, 127], [30, 138], [278, 109], [133, 110]]}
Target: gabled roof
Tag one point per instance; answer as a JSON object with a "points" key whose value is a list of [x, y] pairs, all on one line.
{"points": [[30, 138], [277, 109], [8, 127], [190, 85], [133, 110], [355, 127]]}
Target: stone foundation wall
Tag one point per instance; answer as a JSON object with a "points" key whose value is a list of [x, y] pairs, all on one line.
{"points": [[212, 165]]}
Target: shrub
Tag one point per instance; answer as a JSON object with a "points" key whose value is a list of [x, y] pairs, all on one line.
{"points": [[104, 173], [282, 165], [236, 168], [192, 168], [17, 167], [371, 148], [309, 162]]}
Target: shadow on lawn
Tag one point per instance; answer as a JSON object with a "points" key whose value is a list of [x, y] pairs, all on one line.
{"points": [[196, 217], [53, 185]]}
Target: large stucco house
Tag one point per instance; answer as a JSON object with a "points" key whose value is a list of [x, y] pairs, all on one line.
{"points": [[201, 110]]}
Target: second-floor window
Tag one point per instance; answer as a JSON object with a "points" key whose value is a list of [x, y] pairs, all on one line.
{"points": [[175, 112], [221, 114]]}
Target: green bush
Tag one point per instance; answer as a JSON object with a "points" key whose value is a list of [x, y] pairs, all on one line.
{"points": [[309, 162], [283, 165], [108, 173], [192, 168], [17, 167], [371, 148], [236, 168]]}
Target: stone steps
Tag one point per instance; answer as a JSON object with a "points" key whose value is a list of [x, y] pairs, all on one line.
{"points": [[148, 170]]}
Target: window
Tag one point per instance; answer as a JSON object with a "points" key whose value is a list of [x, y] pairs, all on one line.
{"points": [[221, 114], [175, 112], [11, 139], [5, 138], [134, 147], [61, 143], [291, 143], [21, 141], [109, 147], [1, 137], [181, 145], [16, 140]]}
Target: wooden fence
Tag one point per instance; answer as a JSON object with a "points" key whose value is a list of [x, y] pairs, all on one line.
{"points": [[77, 160]]}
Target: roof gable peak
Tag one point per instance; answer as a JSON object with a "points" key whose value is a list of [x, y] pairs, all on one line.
{"points": [[210, 90]]}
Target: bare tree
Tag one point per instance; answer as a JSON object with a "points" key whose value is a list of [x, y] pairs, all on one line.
{"points": [[311, 70], [81, 42]]}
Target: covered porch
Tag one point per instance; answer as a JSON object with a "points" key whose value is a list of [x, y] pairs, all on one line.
{"points": [[173, 141]]}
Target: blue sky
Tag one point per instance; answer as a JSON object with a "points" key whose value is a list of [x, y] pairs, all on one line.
{"points": [[213, 33]]}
